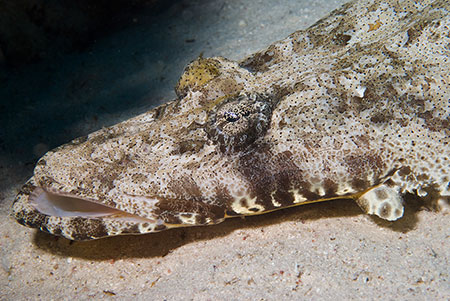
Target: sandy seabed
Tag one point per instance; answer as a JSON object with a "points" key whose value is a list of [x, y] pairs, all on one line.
{"points": [[313, 252]]}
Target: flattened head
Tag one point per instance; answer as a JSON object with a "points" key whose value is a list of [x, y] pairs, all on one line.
{"points": [[335, 111]]}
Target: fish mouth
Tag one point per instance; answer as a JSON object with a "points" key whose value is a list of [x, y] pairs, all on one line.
{"points": [[60, 204], [76, 218]]}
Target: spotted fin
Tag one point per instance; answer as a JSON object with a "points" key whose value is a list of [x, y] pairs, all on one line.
{"points": [[383, 201]]}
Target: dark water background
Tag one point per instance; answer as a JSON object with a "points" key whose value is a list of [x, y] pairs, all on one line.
{"points": [[104, 64]]}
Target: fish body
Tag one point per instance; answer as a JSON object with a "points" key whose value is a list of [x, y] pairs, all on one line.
{"points": [[356, 106]]}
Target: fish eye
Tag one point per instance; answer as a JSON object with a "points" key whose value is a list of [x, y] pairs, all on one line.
{"points": [[238, 121], [231, 116]]}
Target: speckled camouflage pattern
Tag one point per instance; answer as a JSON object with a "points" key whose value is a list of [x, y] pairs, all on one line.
{"points": [[356, 106]]}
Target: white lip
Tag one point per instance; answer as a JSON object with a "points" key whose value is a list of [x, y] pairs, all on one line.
{"points": [[54, 204]]}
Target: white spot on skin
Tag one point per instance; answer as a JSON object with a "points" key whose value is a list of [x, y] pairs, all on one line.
{"points": [[298, 198], [188, 220], [251, 203], [359, 91], [274, 202]]}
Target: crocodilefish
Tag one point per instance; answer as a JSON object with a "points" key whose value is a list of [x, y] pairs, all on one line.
{"points": [[356, 106]]}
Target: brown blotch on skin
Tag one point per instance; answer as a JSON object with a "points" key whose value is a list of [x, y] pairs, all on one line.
{"points": [[222, 195], [107, 178], [200, 220], [416, 31], [319, 40], [216, 212], [270, 174], [299, 43], [254, 166], [381, 117], [138, 178], [191, 146], [371, 97], [110, 173], [284, 180], [422, 177], [83, 228], [360, 165], [45, 181], [385, 210], [169, 217], [305, 190], [336, 37], [185, 187], [32, 219], [330, 187], [411, 101], [381, 194], [160, 227], [404, 171], [258, 61], [284, 197], [434, 124], [360, 184], [341, 39], [361, 141], [280, 92]]}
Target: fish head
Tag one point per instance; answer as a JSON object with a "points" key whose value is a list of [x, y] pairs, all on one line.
{"points": [[222, 148]]}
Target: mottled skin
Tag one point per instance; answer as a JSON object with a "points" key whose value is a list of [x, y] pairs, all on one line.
{"points": [[357, 106]]}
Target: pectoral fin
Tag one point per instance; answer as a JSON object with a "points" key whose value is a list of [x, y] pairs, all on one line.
{"points": [[382, 201]]}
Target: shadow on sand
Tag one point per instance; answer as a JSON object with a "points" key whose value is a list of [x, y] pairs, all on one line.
{"points": [[162, 243]]}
